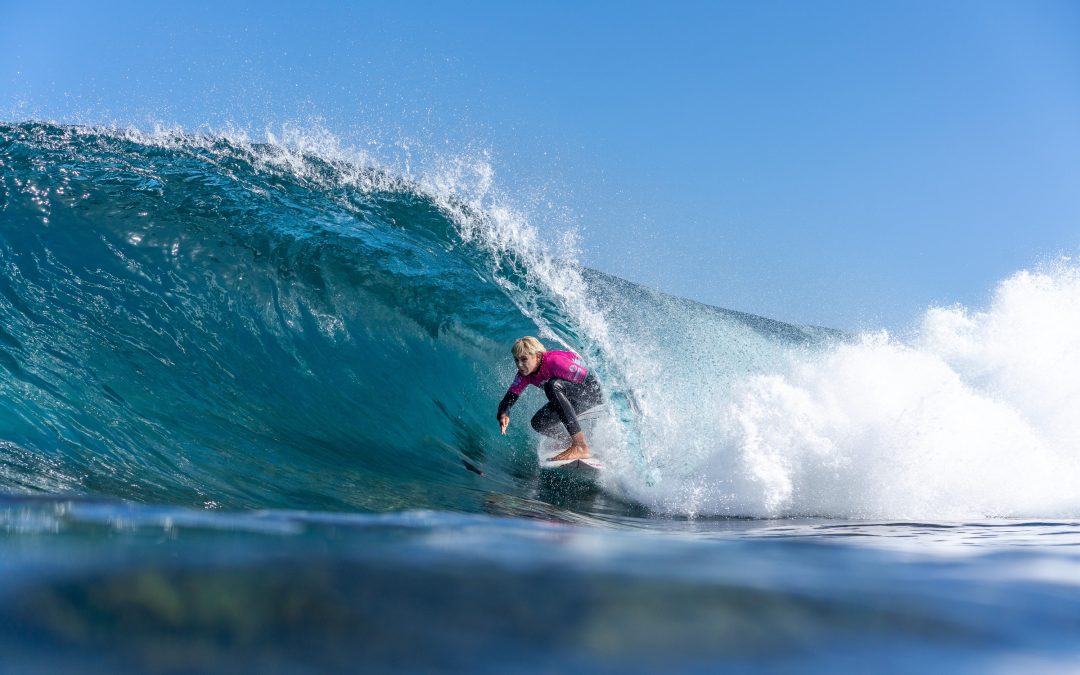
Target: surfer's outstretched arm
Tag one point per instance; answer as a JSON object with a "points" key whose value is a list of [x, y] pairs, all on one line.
{"points": [[528, 355], [504, 410]]}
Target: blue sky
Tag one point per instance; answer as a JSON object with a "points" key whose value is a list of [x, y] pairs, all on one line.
{"points": [[838, 163]]}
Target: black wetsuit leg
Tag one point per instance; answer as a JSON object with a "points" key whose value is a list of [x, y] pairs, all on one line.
{"points": [[565, 398], [546, 421]]}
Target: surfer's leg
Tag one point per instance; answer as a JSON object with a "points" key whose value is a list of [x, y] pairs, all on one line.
{"points": [[546, 421], [556, 391], [567, 398]]}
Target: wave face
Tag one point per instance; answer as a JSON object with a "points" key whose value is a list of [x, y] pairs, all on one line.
{"points": [[193, 320], [208, 321]]}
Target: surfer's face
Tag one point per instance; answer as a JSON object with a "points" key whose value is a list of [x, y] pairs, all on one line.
{"points": [[527, 363]]}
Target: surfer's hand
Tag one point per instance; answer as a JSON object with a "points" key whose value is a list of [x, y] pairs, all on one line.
{"points": [[503, 421]]}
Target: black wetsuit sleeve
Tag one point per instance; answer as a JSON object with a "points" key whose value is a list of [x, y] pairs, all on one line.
{"points": [[506, 403]]}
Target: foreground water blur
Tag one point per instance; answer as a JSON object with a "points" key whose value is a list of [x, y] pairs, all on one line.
{"points": [[100, 586]]}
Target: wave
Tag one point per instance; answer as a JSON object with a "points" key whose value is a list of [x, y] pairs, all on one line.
{"points": [[197, 320], [202, 319]]}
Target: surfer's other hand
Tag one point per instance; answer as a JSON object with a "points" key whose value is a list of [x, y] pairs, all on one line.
{"points": [[503, 421]]}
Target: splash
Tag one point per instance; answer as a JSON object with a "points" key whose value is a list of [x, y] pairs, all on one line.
{"points": [[972, 417]]}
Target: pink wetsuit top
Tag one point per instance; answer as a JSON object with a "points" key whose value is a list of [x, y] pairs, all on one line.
{"points": [[563, 365]]}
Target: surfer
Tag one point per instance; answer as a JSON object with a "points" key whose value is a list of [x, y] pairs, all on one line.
{"points": [[568, 385]]}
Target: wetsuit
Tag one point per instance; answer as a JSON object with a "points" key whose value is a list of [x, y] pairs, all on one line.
{"points": [[569, 387]]}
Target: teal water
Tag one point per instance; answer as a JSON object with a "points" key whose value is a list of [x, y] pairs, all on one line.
{"points": [[247, 423]]}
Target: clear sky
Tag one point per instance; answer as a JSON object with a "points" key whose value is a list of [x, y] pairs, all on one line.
{"points": [[837, 163]]}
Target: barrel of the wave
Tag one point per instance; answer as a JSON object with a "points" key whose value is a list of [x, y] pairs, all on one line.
{"points": [[574, 399], [135, 259]]}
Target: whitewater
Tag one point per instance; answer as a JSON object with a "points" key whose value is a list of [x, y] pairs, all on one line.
{"points": [[238, 365]]}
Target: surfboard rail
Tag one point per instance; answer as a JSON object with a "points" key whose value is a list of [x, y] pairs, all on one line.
{"points": [[589, 464]]}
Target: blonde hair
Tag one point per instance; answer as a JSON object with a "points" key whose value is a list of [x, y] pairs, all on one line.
{"points": [[527, 345]]}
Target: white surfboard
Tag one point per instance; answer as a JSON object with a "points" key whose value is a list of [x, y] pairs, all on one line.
{"points": [[589, 465]]}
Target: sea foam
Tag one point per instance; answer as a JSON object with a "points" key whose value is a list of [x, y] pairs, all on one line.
{"points": [[972, 416]]}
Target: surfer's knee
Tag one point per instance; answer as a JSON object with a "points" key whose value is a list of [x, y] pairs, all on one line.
{"points": [[537, 422], [543, 420]]}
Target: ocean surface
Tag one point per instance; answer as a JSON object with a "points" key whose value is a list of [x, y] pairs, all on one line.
{"points": [[247, 396]]}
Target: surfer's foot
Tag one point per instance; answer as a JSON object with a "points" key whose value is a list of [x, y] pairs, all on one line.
{"points": [[573, 452], [579, 449]]}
